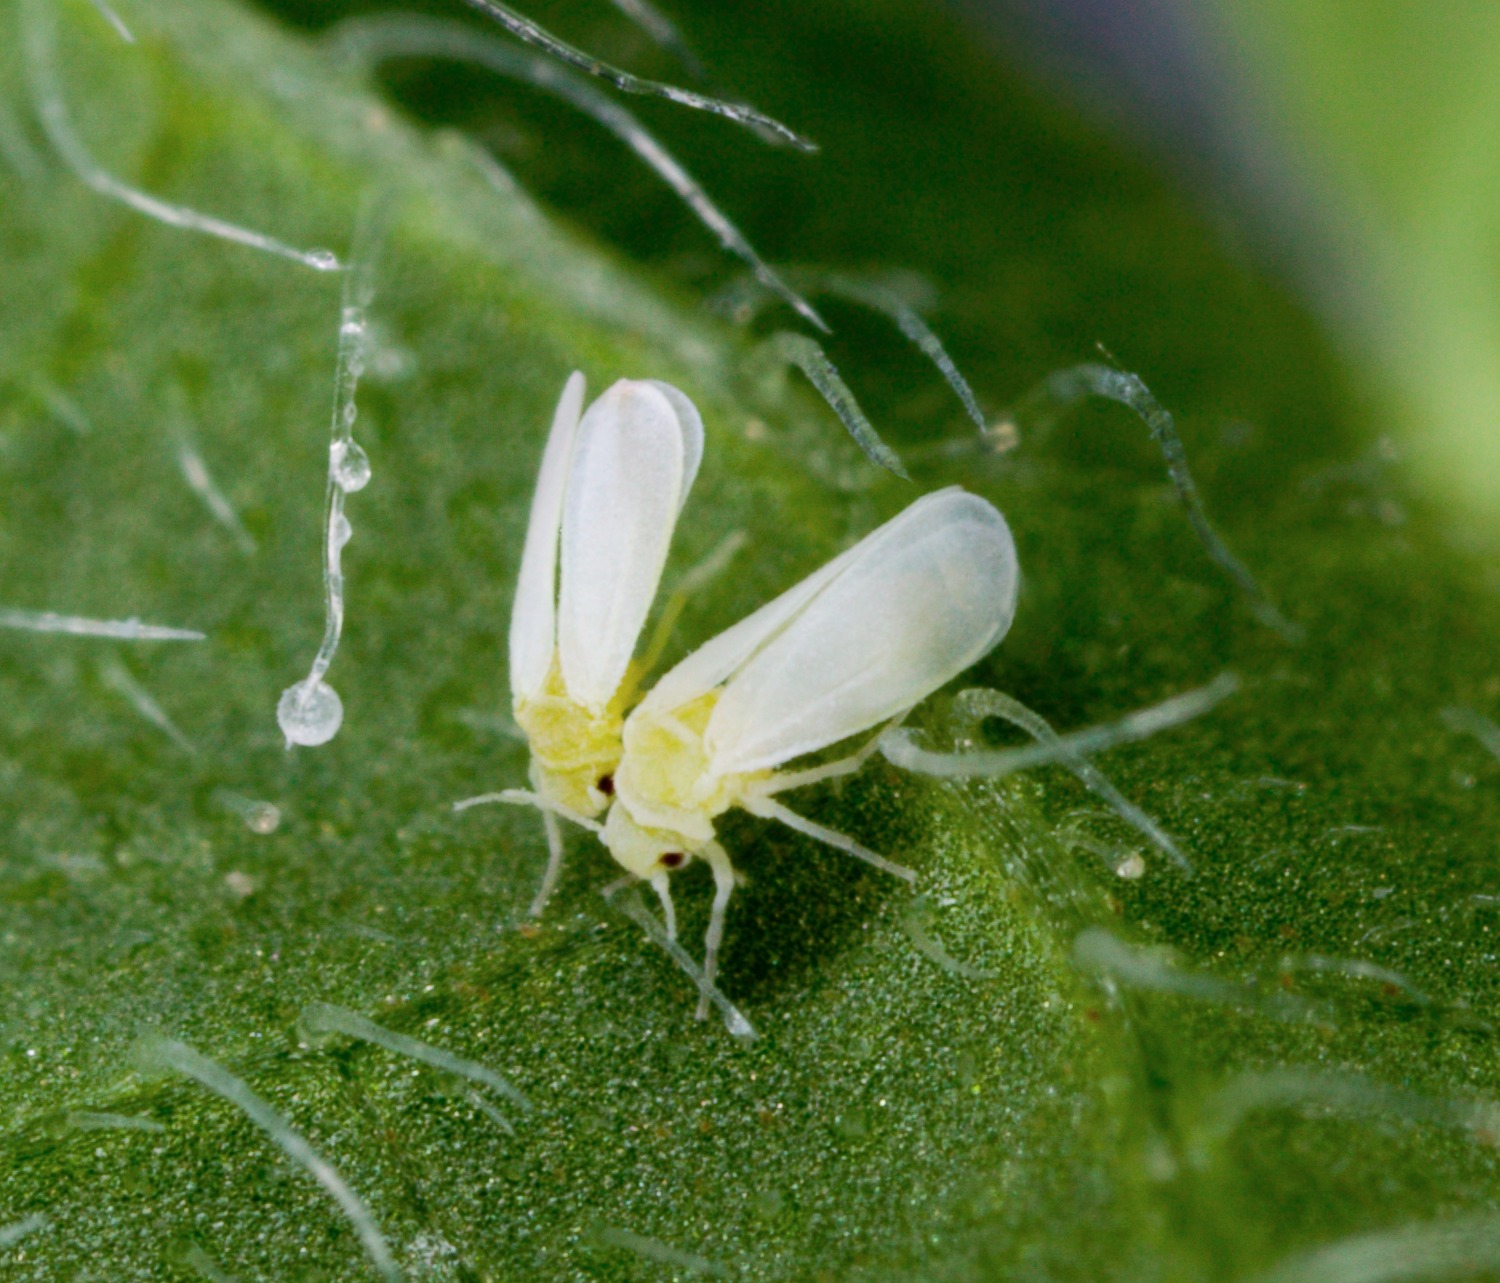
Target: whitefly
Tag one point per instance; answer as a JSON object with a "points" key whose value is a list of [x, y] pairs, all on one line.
{"points": [[851, 648], [612, 482]]}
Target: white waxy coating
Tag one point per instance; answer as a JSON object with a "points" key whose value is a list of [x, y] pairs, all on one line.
{"points": [[875, 631], [690, 424], [533, 620], [634, 458]]}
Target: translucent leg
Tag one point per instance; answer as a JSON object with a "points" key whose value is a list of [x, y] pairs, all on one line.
{"points": [[524, 797], [619, 884], [786, 781], [554, 863], [637, 912], [551, 812], [663, 891], [718, 861], [768, 809]]}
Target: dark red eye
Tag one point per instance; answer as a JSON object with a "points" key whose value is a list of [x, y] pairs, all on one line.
{"points": [[673, 859], [606, 785]]}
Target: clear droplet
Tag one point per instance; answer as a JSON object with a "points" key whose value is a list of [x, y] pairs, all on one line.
{"points": [[261, 817], [321, 260], [309, 716], [1131, 867], [350, 465], [342, 531]]}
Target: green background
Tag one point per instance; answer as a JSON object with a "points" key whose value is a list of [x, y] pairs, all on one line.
{"points": [[1037, 1070]]}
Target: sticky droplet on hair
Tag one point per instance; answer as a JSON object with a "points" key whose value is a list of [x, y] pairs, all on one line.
{"points": [[309, 714], [349, 465]]}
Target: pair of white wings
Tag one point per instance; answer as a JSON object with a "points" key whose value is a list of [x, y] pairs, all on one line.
{"points": [[875, 631], [611, 484]]}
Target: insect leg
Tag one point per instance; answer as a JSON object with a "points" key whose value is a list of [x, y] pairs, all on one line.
{"points": [[788, 780], [637, 912], [619, 884], [663, 891], [769, 809], [524, 797], [718, 861], [554, 863]]}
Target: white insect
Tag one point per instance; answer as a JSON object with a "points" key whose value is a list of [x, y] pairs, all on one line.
{"points": [[851, 647], [612, 482]]}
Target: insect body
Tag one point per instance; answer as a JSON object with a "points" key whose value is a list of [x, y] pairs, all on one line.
{"points": [[612, 482], [854, 645]]}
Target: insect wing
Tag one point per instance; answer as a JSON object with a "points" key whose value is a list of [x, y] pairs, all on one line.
{"points": [[628, 480], [911, 606], [691, 423], [533, 623], [717, 660]]}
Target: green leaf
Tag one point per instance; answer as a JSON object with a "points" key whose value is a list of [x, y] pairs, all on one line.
{"points": [[1035, 1068]]}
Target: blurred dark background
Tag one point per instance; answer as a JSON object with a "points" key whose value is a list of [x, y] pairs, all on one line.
{"points": [[1064, 173]]}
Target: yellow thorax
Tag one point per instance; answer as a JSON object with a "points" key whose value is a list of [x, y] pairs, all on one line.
{"points": [[664, 779], [573, 750]]}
